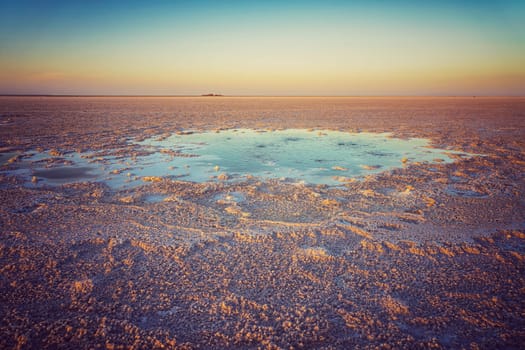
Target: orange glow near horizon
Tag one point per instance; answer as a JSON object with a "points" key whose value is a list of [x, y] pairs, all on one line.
{"points": [[337, 50]]}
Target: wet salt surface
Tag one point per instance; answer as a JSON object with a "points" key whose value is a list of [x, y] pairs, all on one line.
{"points": [[4, 157], [313, 157], [154, 198], [465, 193], [65, 173]]}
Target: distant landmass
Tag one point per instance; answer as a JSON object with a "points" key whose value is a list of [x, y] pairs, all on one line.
{"points": [[211, 95]]}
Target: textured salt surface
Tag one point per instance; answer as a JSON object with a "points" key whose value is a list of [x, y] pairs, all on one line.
{"points": [[394, 260]]}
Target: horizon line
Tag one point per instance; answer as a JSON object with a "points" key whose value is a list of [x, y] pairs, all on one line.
{"points": [[223, 95]]}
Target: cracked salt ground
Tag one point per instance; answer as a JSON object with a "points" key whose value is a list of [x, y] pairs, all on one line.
{"points": [[393, 260], [297, 155]]}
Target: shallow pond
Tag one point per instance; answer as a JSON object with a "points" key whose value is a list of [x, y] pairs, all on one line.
{"points": [[310, 156]]}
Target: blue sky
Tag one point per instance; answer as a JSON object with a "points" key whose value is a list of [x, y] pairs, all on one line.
{"points": [[268, 48]]}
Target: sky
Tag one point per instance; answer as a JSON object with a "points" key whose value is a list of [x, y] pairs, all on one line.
{"points": [[269, 47]]}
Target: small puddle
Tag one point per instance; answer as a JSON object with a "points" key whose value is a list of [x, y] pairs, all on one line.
{"points": [[5, 157], [297, 155], [69, 173], [465, 193], [154, 198]]}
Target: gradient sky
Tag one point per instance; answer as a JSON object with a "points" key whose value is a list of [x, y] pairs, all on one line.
{"points": [[262, 47]]}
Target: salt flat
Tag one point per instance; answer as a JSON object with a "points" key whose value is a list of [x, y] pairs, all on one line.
{"points": [[416, 253]]}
